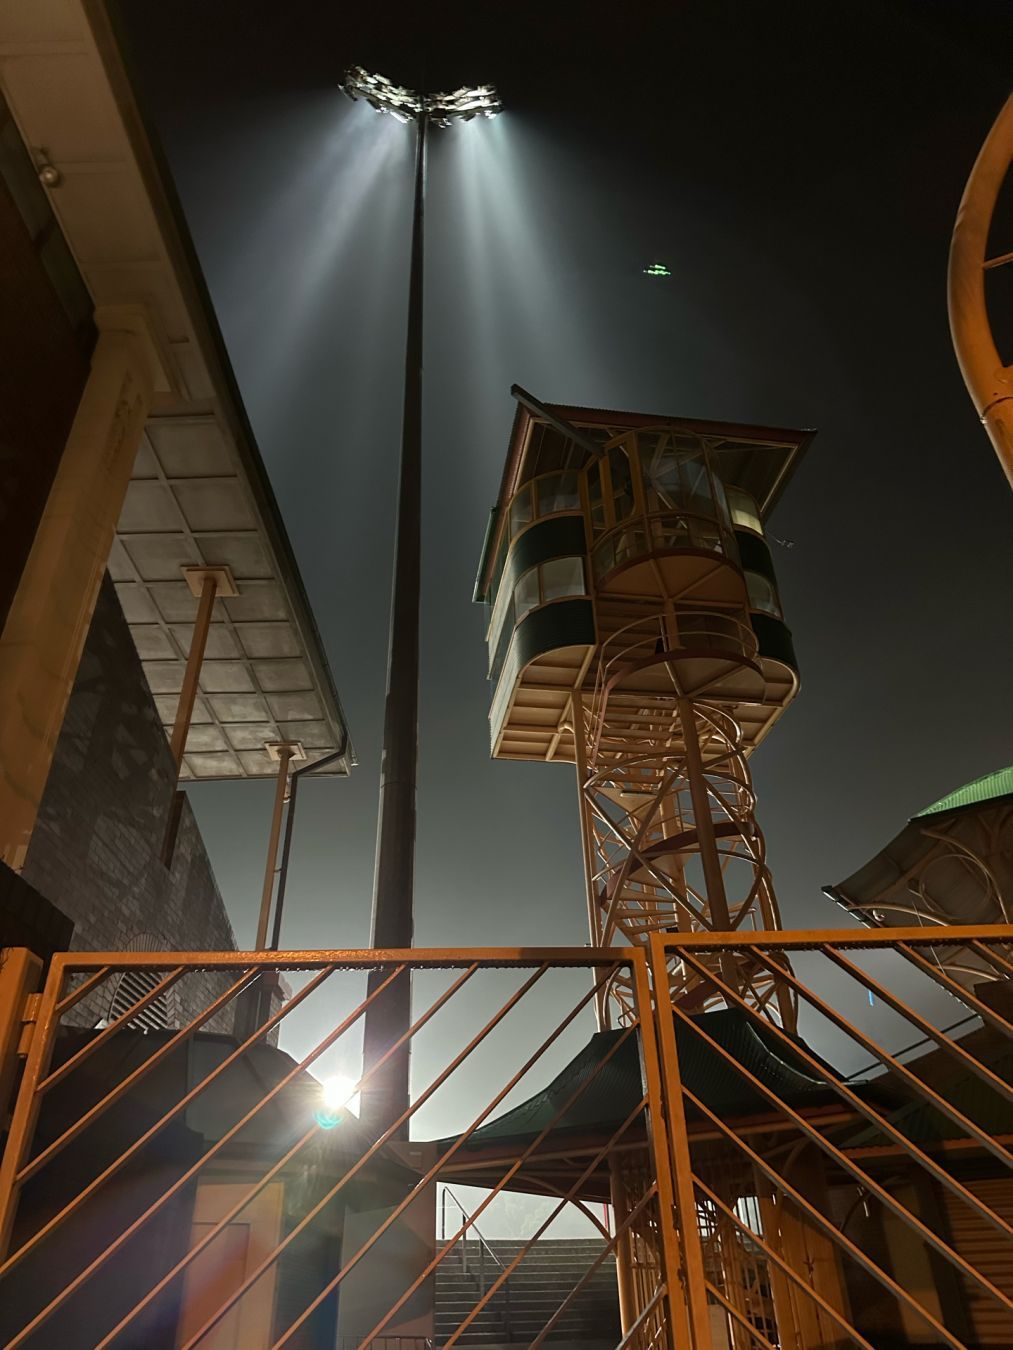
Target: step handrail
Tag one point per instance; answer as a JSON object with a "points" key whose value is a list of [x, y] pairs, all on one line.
{"points": [[483, 1247]]}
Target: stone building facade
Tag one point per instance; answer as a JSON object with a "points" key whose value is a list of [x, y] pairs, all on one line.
{"points": [[96, 852]]}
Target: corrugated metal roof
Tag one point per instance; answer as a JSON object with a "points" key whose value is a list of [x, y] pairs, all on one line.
{"points": [[612, 1091], [922, 1123], [987, 789]]}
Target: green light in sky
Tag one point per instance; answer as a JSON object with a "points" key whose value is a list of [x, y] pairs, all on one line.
{"points": [[657, 270]]}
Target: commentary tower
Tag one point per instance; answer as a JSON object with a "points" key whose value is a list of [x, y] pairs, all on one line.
{"points": [[635, 631]]}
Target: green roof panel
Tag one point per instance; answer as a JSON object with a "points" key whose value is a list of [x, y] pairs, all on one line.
{"points": [[987, 789]]}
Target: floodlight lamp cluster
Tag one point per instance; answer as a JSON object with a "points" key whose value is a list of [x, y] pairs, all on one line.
{"points": [[406, 105]]}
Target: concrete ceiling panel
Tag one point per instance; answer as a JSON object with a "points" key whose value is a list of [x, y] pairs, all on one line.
{"points": [[294, 707], [243, 553], [190, 447], [251, 735], [164, 677], [167, 705], [205, 738], [176, 602], [258, 600], [258, 763], [136, 603], [313, 735], [217, 764], [239, 707], [153, 643], [221, 644], [226, 677], [268, 639], [159, 557], [282, 676], [148, 508], [119, 565], [214, 504]]}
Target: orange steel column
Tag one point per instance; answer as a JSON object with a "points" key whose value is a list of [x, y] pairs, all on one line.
{"points": [[194, 661], [20, 973], [44, 634]]}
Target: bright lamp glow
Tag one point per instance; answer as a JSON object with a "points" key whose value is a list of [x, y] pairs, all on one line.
{"points": [[459, 105], [338, 1094]]}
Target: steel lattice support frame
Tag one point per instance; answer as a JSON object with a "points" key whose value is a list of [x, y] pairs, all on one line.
{"points": [[668, 810]]}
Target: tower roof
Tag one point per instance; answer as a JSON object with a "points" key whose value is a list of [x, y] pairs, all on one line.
{"points": [[756, 458]]}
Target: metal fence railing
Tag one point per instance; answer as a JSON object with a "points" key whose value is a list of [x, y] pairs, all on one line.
{"points": [[843, 1194], [207, 1184], [843, 1182]]}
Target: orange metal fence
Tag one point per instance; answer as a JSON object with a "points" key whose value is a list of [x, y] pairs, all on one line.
{"points": [[171, 1186], [844, 1184], [850, 1192]]}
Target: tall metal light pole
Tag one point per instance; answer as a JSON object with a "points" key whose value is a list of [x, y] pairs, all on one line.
{"points": [[385, 1098]]}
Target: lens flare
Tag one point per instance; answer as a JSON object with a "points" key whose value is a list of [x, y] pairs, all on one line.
{"points": [[338, 1094]]}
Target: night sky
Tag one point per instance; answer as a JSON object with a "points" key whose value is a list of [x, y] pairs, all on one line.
{"points": [[797, 166]]}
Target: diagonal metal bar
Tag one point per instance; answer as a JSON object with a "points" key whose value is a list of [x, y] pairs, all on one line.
{"points": [[269, 1176], [754, 1333], [553, 1214], [85, 987], [160, 1124], [987, 1014], [783, 1265], [930, 1032], [132, 1079], [273, 1256], [633, 1333], [824, 1224], [992, 956], [880, 1122], [192, 1171], [118, 1023], [458, 1144], [842, 1159], [621, 1230], [917, 1085]]}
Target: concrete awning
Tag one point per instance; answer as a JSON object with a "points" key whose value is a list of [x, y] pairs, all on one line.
{"points": [[199, 494], [189, 505]]}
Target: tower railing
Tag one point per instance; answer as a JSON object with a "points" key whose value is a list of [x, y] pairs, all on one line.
{"points": [[667, 795], [657, 532]]}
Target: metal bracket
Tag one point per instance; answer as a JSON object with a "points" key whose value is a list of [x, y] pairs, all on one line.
{"points": [[29, 1018], [225, 582]]}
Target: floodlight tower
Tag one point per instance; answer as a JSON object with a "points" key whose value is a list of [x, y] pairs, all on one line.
{"points": [[388, 1017], [635, 631]]}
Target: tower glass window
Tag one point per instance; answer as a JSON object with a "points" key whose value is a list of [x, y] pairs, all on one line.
{"points": [[561, 577], [762, 594], [557, 492], [521, 513], [622, 482], [744, 511]]}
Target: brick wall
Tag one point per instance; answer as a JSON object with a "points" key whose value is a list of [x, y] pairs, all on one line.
{"points": [[96, 849]]}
